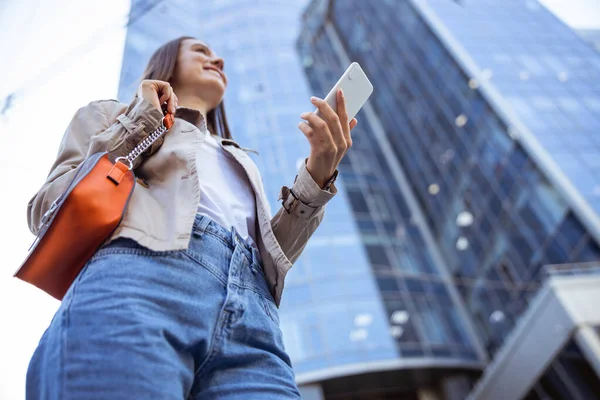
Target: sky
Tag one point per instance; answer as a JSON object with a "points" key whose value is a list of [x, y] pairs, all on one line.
{"points": [[52, 81], [579, 14]]}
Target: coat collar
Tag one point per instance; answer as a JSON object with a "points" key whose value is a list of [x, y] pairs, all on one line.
{"points": [[192, 116], [196, 118]]}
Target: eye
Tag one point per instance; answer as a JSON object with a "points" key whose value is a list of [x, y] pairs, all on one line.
{"points": [[202, 50]]}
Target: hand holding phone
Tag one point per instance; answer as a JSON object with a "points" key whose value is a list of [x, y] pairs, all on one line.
{"points": [[328, 128]]}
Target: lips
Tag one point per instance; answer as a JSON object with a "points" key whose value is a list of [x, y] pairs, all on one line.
{"points": [[215, 72]]}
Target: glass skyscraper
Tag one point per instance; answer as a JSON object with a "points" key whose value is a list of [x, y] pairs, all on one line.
{"points": [[451, 201], [485, 127]]}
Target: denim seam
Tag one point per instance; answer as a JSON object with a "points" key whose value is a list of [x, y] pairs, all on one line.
{"points": [[265, 305], [190, 254], [132, 251], [222, 321], [252, 288]]}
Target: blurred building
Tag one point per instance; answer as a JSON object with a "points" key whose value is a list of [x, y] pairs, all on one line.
{"points": [[592, 36], [480, 151]]}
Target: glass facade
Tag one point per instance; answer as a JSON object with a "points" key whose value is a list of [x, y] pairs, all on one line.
{"points": [[423, 318], [495, 217], [367, 247], [545, 72]]}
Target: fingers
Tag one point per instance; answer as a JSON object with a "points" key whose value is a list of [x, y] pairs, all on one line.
{"points": [[171, 101], [330, 123], [318, 131], [335, 130], [342, 113], [328, 114], [328, 133], [166, 94], [159, 92], [320, 143], [163, 93], [307, 130]]}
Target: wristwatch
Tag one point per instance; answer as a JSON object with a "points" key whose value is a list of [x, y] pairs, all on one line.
{"points": [[331, 180]]}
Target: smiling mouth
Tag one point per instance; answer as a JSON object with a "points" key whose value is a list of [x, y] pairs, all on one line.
{"points": [[215, 73]]}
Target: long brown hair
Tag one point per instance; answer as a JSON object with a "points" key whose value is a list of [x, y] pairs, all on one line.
{"points": [[162, 67]]}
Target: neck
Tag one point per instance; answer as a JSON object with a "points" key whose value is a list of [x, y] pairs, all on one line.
{"points": [[191, 101]]}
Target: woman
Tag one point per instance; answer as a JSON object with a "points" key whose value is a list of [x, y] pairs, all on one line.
{"points": [[181, 302]]}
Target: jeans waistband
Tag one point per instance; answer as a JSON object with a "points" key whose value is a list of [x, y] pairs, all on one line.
{"points": [[204, 224]]}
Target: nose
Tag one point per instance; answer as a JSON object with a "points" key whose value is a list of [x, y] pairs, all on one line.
{"points": [[218, 62]]}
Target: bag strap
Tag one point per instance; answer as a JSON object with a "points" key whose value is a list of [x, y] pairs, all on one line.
{"points": [[165, 124]]}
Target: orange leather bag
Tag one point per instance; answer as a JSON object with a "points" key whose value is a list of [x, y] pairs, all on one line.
{"points": [[82, 218]]}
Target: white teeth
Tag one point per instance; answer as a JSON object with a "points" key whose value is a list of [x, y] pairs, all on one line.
{"points": [[215, 72]]}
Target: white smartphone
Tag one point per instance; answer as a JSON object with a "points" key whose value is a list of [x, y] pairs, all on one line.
{"points": [[357, 89]]}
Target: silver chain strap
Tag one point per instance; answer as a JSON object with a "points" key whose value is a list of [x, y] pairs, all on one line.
{"points": [[133, 154], [144, 145]]}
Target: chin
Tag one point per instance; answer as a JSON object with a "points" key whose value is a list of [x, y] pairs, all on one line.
{"points": [[212, 91]]}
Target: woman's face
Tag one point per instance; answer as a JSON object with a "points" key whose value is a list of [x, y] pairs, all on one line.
{"points": [[200, 71]]}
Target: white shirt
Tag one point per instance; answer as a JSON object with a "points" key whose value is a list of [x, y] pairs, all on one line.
{"points": [[226, 195]]}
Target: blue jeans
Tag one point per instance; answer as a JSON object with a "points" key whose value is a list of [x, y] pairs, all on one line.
{"points": [[139, 324]]}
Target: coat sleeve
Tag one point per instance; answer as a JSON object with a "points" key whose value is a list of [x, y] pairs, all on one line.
{"points": [[99, 126], [302, 211]]}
